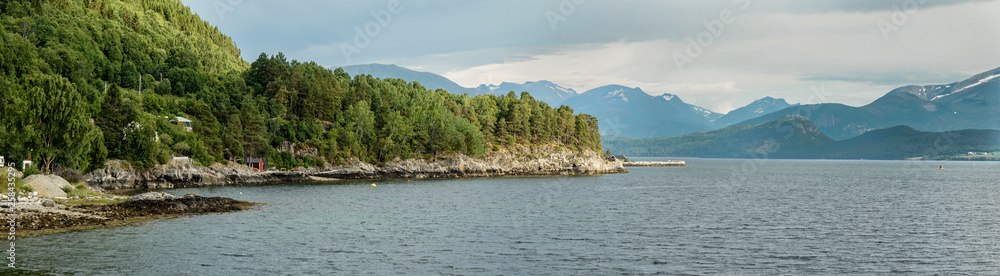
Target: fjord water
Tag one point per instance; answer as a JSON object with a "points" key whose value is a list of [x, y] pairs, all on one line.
{"points": [[716, 216]]}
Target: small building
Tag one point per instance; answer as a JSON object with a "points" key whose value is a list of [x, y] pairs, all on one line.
{"points": [[259, 163], [181, 160], [617, 157], [184, 122]]}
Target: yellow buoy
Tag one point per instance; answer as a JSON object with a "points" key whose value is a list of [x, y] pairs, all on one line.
{"points": [[373, 184]]}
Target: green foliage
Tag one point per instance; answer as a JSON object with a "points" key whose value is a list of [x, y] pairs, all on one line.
{"points": [[286, 160], [65, 63], [141, 143], [31, 170], [19, 187], [79, 190], [45, 117], [112, 119]]}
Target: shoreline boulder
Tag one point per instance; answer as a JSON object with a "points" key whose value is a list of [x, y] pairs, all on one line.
{"points": [[47, 185]]}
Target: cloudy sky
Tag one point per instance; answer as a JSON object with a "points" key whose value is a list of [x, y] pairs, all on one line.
{"points": [[716, 54]]}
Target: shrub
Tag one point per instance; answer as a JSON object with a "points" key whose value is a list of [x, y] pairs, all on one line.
{"points": [[182, 148], [281, 159], [31, 170], [80, 190], [19, 186], [70, 175]]}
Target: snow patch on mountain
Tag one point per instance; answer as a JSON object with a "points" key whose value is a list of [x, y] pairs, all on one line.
{"points": [[566, 90], [981, 81], [708, 114]]}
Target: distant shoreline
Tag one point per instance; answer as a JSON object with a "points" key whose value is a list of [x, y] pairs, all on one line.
{"points": [[997, 158], [669, 163]]}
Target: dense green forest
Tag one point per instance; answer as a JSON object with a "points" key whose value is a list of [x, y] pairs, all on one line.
{"points": [[85, 81]]}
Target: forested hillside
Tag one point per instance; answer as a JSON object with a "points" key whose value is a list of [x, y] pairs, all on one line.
{"points": [[87, 81], [781, 137], [903, 142]]}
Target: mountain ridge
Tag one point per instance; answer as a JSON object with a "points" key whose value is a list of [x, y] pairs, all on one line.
{"points": [[967, 104], [632, 112], [543, 90], [796, 137], [778, 136], [429, 80]]}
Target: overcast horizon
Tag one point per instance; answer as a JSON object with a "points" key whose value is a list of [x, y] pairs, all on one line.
{"points": [[717, 54]]}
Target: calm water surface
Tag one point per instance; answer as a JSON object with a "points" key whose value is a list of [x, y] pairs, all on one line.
{"points": [[715, 217]]}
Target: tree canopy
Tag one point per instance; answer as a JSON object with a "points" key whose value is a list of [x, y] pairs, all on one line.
{"points": [[82, 81]]}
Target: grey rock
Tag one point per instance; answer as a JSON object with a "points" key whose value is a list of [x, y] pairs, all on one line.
{"points": [[48, 203], [47, 185], [151, 196], [514, 160]]}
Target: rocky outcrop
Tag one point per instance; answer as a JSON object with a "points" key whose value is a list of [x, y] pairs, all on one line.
{"points": [[299, 149], [150, 196], [119, 175], [33, 218], [516, 160], [47, 185]]}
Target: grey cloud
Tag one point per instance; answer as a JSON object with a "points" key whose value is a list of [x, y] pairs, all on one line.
{"points": [[891, 78], [825, 6]]}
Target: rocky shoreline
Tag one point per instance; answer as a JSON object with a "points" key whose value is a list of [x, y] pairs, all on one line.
{"points": [[510, 161], [37, 216], [43, 217]]}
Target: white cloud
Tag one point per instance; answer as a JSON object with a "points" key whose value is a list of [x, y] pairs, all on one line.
{"points": [[776, 54], [779, 48]]}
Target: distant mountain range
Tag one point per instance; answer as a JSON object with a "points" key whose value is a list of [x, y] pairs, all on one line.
{"points": [[545, 91], [758, 108], [631, 112], [428, 80], [794, 136], [973, 103], [779, 136]]}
